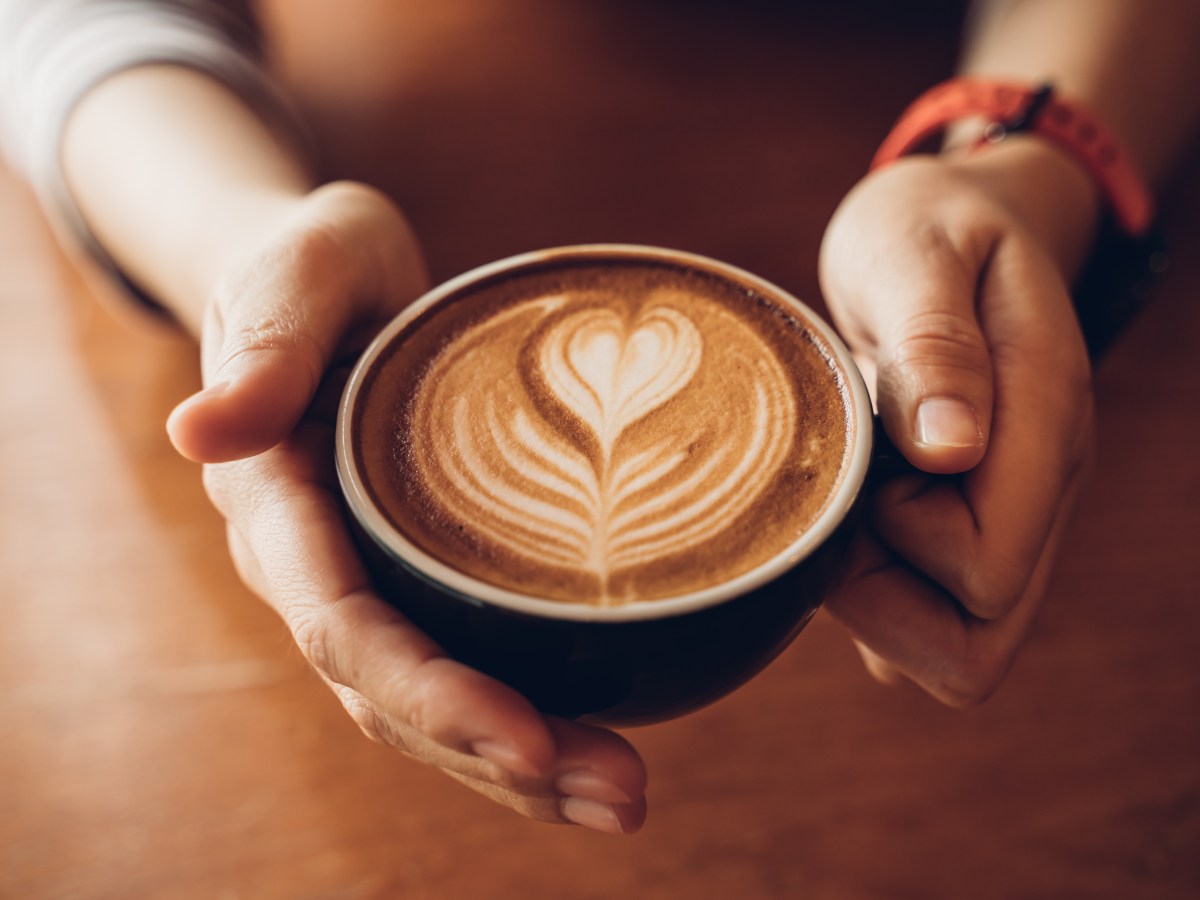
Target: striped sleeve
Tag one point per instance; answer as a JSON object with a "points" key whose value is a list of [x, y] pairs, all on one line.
{"points": [[53, 51]]}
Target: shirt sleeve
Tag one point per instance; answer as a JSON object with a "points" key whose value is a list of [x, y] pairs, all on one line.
{"points": [[52, 52]]}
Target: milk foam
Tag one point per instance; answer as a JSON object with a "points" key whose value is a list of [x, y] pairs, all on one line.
{"points": [[601, 438]]}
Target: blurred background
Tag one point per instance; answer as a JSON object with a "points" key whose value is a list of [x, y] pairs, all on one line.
{"points": [[161, 737]]}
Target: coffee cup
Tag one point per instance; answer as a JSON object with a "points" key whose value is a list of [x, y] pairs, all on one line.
{"points": [[618, 478]]}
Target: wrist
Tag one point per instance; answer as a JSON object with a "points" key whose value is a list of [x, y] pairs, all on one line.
{"points": [[1065, 137]]}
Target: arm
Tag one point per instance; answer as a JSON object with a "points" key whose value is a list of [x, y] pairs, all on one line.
{"points": [[177, 177], [1133, 63], [949, 276], [206, 203]]}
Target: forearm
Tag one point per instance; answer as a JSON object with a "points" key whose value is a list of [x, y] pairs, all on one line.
{"points": [[1136, 68], [1134, 62], [175, 176]]}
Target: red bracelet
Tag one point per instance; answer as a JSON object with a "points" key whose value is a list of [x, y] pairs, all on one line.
{"points": [[1012, 108]]}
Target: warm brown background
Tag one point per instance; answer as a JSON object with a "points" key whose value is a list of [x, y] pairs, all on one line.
{"points": [[159, 736]]}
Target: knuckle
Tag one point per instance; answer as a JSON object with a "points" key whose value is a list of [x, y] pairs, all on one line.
{"points": [[280, 330], [416, 698], [931, 240], [977, 672], [936, 339], [1001, 569], [365, 716], [314, 637], [993, 594], [972, 682]]}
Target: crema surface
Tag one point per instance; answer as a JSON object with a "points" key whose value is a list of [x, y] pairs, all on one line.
{"points": [[604, 433]]}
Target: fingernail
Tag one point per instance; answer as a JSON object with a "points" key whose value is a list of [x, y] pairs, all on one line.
{"points": [[947, 422], [587, 785], [505, 757], [590, 814]]}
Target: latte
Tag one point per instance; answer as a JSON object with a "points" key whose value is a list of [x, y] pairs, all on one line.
{"points": [[604, 432]]}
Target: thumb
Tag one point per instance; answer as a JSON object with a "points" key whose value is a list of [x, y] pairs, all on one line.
{"points": [[269, 336], [934, 388], [258, 394], [346, 260]]}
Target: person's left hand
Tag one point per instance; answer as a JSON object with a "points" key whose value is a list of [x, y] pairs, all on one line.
{"points": [[278, 338]]}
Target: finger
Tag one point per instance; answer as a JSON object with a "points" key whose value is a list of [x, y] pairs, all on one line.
{"points": [[600, 782], [934, 384], [355, 639], [600, 785], [274, 329], [923, 634], [980, 537], [902, 289], [881, 670], [609, 818], [312, 576], [382, 726], [900, 617], [865, 555], [596, 765], [597, 777]]}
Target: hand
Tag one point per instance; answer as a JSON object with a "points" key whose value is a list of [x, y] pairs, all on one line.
{"points": [[941, 278], [277, 333]]}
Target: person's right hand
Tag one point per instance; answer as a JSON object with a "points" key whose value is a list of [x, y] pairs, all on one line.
{"points": [[278, 339], [948, 279]]}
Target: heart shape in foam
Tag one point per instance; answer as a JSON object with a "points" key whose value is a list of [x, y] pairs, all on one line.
{"points": [[609, 373]]}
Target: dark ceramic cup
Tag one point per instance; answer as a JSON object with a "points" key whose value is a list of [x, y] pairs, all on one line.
{"points": [[618, 665]]}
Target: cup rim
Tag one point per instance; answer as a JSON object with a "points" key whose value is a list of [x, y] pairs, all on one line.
{"points": [[398, 547]]}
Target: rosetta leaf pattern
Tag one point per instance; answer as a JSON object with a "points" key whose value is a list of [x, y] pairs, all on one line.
{"points": [[567, 479]]}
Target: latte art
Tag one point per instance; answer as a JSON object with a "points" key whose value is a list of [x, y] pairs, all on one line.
{"points": [[546, 459], [609, 373], [608, 446]]}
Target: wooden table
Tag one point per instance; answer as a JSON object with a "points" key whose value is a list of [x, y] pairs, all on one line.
{"points": [[159, 735]]}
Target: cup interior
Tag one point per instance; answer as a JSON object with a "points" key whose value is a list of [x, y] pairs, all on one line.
{"points": [[400, 548]]}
